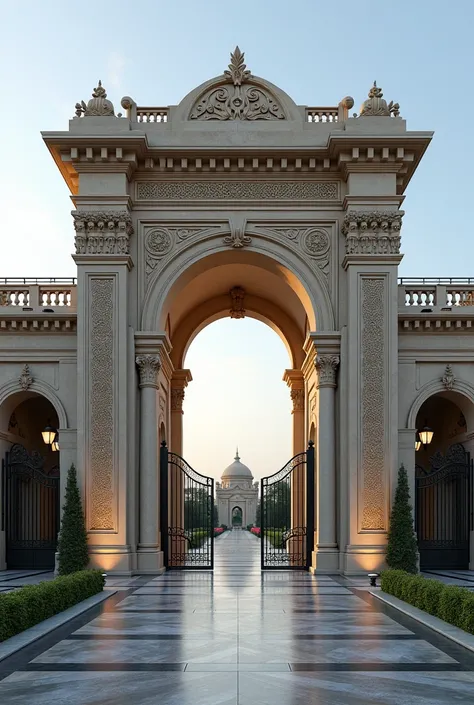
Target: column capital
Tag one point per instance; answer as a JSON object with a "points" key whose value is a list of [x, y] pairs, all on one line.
{"points": [[374, 232], [326, 368], [297, 397], [148, 367], [177, 398]]}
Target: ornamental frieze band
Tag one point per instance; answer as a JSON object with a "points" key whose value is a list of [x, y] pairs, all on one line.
{"points": [[235, 190]]}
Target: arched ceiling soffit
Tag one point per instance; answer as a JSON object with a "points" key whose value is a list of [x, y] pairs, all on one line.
{"points": [[237, 306], [296, 285], [462, 397], [237, 95]]}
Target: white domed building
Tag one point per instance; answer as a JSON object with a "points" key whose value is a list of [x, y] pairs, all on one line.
{"points": [[237, 491]]}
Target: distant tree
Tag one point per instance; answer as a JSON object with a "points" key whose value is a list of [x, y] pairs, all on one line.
{"points": [[401, 546], [277, 506], [72, 540], [215, 517], [197, 508]]}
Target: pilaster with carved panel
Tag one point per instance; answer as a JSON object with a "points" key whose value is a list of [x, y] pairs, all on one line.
{"points": [[369, 438]]}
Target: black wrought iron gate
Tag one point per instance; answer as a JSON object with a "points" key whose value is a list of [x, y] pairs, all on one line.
{"points": [[187, 514], [287, 514], [443, 510], [30, 510]]}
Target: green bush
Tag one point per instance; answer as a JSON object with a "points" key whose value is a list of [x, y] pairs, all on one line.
{"points": [[23, 608], [452, 603], [468, 613], [72, 540], [432, 593], [275, 536], [198, 537], [401, 545]]}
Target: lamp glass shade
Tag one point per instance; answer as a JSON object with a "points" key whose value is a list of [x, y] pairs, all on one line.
{"points": [[426, 436], [48, 434], [417, 441], [55, 443]]}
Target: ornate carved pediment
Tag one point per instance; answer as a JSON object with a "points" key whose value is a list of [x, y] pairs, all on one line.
{"points": [[237, 96]]}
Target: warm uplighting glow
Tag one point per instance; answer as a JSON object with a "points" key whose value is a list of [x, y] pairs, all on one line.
{"points": [[426, 436], [49, 435]]}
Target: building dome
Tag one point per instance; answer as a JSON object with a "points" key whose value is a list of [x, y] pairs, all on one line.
{"points": [[237, 470]]}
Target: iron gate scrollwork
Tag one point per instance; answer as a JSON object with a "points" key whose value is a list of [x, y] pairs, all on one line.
{"points": [[187, 514], [444, 506], [287, 514], [30, 510]]}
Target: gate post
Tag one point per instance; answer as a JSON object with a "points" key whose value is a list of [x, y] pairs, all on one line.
{"points": [[309, 503], [164, 502]]}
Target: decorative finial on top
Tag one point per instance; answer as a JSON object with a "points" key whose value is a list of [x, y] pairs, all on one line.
{"points": [[237, 456], [377, 106], [98, 105], [238, 72]]}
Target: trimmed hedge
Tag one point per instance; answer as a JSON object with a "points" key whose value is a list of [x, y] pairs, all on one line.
{"points": [[23, 608], [451, 603]]}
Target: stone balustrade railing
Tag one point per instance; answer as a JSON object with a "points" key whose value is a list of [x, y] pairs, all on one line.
{"points": [[152, 114], [322, 114], [38, 293], [442, 292]]}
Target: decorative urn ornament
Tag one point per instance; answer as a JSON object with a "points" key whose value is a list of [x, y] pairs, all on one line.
{"points": [[98, 105], [376, 105]]}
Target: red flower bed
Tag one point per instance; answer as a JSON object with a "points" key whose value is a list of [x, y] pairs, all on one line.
{"points": [[218, 530], [255, 530]]}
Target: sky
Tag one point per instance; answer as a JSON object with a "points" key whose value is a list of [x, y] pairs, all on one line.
{"points": [[53, 53]]}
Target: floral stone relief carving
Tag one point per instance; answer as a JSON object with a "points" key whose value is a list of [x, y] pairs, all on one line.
{"points": [[105, 233], [101, 405], [159, 241], [237, 97], [314, 241], [372, 233], [376, 105], [448, 378], [26, 380], [373, 404]]}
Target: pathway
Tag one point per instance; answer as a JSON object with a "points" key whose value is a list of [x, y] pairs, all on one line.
{"points": [[239, 637]]}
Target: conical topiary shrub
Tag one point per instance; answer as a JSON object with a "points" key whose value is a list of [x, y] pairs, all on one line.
{"points": [[72, 540], [401, 547]]}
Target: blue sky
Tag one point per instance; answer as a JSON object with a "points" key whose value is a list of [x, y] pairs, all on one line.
{"points": [[52, 54]]}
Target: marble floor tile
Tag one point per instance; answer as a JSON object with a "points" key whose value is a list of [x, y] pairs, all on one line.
{"points": [[144, 651], [346, 651], [238, 636], [372, 688], [115, 688]]}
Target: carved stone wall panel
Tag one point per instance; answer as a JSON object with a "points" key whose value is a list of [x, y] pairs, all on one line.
{"points": [[314, 241], [101, 404], [237, 190], [160, 240], [373, 398]]}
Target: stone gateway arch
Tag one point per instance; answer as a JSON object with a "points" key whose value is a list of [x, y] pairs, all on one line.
{"points": [[238, 202]]}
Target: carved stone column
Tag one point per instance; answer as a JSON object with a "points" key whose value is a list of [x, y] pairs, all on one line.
{"points": [[326, 553], [295, 381], [179, 382], [149, 556]]}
